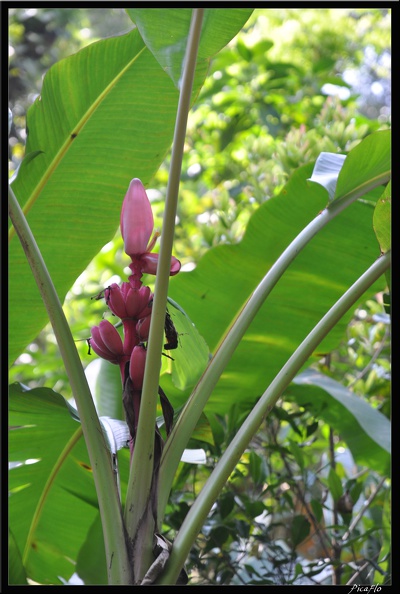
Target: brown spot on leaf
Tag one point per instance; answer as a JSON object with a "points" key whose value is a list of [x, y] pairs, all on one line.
{"points": [[85, 466]]}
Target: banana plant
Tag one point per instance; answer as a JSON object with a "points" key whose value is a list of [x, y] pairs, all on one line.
{"points": [[308, 257]]}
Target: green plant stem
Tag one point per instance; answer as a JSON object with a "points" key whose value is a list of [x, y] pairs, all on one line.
{"points": [[118, 565], [201, 507], [190, 415], [141, 474]]}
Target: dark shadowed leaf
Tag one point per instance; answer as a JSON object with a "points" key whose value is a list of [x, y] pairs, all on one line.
{"points": [[365, 430], [300, 529], [16, 570], [335, 485], [91, 562]]}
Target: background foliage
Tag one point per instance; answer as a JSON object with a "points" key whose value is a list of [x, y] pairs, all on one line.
{"points": [[265, 110]]}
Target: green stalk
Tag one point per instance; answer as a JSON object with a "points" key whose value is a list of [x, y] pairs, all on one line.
{"points": [[141, 474], [190, 415], [118, 565], [201, 507]]}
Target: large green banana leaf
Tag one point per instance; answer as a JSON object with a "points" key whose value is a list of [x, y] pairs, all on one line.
{"points": [[53, 498], [213, 293], [105, 115]]}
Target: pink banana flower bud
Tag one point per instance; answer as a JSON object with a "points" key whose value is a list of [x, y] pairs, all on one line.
{"points": [[106, 342], [111, 338], [137, 300], [147, 309], [136, 366], [143, 327], [137, 225], [126, 301], [115, 300], [136, 219]]}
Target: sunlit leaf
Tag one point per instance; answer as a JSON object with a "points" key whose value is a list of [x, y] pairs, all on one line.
{"points": [[197, 456], [369, 163], [165, 32], [10, 120], [96, 128], [326, 171], [217, 289], [116, 433], [89, 123]]}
